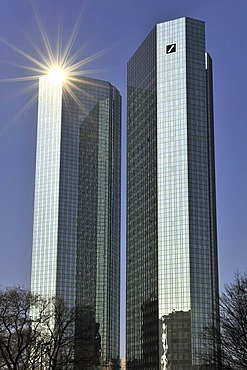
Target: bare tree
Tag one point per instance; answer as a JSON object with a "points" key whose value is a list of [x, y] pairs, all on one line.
{"points": [[232, 338], [58, 343], [233, 307], [19, 337], [35, 332]]}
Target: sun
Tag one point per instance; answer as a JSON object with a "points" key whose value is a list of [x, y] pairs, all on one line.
{"points": [[57, 75]]}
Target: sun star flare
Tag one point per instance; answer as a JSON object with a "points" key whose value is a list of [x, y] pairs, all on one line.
{"points": [[54, 58]]}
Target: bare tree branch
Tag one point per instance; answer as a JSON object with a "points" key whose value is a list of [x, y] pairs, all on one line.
{"points": [[232, 338], [35, 332]]}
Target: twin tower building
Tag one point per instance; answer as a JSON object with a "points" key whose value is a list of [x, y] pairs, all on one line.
{"points": [[172, 269]]}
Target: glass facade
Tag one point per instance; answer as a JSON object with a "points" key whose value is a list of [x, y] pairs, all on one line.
{"points": [[172, 273], [142, 257], [76, 232]]}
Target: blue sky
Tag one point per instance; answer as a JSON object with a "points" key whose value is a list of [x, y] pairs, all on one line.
{"points": [[120, 26]]}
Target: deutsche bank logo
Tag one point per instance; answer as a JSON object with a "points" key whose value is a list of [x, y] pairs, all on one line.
{"points": [[171, 48]]}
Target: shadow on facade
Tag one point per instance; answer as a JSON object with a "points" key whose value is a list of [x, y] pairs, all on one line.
{"points": [[87, 340]]}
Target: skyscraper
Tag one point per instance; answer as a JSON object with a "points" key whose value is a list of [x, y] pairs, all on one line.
{"points": [[172, 268], [76, 231]]}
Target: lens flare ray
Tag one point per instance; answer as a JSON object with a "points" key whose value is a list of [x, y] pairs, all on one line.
{"points": [[59, 61]]}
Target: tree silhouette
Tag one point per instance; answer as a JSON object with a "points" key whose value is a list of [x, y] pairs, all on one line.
{"points": [[232, 338]]}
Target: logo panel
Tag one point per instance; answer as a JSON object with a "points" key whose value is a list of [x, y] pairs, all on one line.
{"points": [[171, 48]]}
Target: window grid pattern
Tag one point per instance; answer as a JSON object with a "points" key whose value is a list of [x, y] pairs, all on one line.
{"points": [[173, 198], [76, 251], [141, 305], [173, 217], [47, 183], [202, 204], [188, 285], [98, 256], [183, 267]]}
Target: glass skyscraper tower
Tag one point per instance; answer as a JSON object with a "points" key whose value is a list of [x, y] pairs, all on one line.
{"points": [[76, 231], [172, 268]]}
